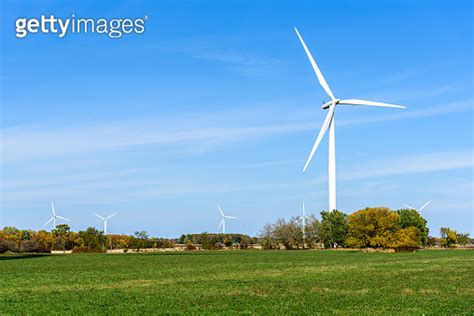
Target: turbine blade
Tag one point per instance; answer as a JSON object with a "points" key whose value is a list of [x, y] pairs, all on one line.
{"points": [[318, 73], [230, 217], [370, 103], [48, 221], [62, 218], [99, 216], [220, 225], [323, 130], [406, 205], [111, 216], [52, 208], [426, 204], [220, 210]]}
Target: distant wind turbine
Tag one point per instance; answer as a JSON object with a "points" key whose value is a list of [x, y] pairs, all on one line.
{"points": [[105, 220], [420, 209], [54, 217], [329, 124], [303, 221], [223, 219]]}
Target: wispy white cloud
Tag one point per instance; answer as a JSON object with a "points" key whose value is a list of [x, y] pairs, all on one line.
{"points": [[421, 163], [149, 183], [278, 163], [409, 96], [30, 143], [243, 62], [453, 107]]}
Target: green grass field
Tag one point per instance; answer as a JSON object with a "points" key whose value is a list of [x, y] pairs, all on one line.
{"points": [[262, 282]]}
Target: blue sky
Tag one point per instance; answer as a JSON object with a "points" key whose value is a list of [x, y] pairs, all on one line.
{"points": [[217, 103]]}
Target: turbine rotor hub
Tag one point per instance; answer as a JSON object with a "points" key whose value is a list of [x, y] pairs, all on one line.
{"points": [[328, 104]]}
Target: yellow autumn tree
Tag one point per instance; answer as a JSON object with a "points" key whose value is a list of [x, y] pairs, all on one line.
{"points": [[372, 227]]}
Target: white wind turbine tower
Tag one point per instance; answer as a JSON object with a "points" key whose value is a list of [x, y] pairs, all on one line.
{"points": [[105, 220], [329, 123], [303, 221], [54, 217], [420, 209], [223, 219]]}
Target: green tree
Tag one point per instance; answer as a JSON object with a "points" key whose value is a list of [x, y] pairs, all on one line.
{"points": [[245, 242], [334, 229], [412, 218], [141, 235], [372, 227], [61, 229], [61, 236], [267, 239], [312, 232], [449, 237], [93, 238], [211, 241], [463, 239]]}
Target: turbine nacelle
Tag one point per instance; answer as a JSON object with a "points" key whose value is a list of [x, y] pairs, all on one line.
{"points": [[326, 105]]}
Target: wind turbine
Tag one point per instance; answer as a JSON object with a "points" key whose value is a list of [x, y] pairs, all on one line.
{"points": [[329, 124], [105, 220], [223, 219], [54, 217], [303, 220], [421, 208]]}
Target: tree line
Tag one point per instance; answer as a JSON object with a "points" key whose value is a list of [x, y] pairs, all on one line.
{"points": [[376, 227], [93, 240], [62, 238]]}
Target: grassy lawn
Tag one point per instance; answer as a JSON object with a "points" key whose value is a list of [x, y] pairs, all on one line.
{"points": [[262, 282]]}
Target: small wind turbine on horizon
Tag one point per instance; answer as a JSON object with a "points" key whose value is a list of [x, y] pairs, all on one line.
{"points": [[54, 217], [105, 220], [223, 219], [329, 124], [303, 221], [421, 208]]}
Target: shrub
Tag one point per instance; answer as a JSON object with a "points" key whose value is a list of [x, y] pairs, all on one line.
{"points": [[166, 243], [8, 245], [244, 242], [190, 245], [433, 241], [3, 246], [30, 246]]}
